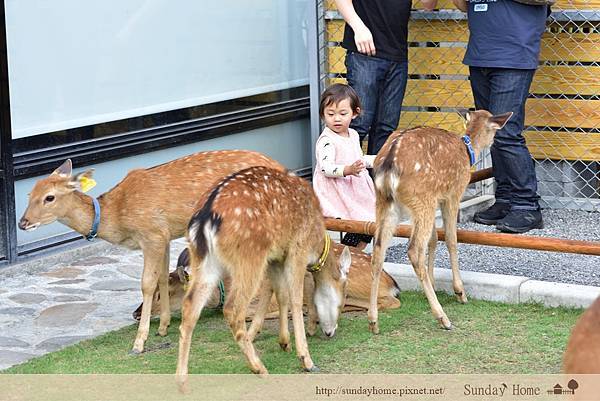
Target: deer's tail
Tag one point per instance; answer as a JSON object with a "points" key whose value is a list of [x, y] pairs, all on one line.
{"points": [[205, 224], [387, 174]]}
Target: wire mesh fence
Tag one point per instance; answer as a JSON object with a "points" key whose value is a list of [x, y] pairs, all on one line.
{"points": [[562, 124]]}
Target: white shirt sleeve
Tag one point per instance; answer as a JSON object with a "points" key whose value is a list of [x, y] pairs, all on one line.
{"points": [[326, 156], [369, 160]]}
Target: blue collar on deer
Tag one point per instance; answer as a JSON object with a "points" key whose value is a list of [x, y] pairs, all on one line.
{"points": [[467, 140], [316, 267], [94, 230]]}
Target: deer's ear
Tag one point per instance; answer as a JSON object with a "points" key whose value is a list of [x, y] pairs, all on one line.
{"points": [[344, 262], [65, 170], [499, 121], [83, 181]]}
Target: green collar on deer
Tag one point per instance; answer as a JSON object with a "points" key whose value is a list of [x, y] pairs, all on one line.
{"points": [[316, 267], [188, 277]]}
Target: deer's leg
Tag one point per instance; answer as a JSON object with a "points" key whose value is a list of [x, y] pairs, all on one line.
{"points": [[309, 299], [154, 260], [294, 273], [422, 221], [235, 310], [282, 292], [264, 299], [450, 214], [163, 286], [201, 287], [431, 254], [386, 221]]}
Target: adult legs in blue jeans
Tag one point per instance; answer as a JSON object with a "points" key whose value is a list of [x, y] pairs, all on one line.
{"points": [[380, 85], [499, 90]]}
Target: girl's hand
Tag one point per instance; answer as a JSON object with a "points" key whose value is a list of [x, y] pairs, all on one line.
{"points": [[354, 169], [364, 40]]}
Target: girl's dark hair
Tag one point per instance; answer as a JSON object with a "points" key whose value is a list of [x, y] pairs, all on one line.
{"points": [[335, 94]]}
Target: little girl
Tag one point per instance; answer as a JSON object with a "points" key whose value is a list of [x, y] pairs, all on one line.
{"points": [[341, 180]]}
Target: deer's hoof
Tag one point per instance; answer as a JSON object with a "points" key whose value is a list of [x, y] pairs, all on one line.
{"points": [[261, 371], [461, 297], [135, 352], [314, 369], [374, 327], [445, 323], [285, 347]]}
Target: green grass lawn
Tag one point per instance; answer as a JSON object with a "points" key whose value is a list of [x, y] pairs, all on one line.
{"points": [[487, 338]]}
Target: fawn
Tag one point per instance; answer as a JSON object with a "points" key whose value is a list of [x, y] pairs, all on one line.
{"points": [[256, 223], [146, 210], [358, 288], [416, 170], [582, 355]]}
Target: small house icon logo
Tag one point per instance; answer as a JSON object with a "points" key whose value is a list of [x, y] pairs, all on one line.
{"points": [[560, 390]]}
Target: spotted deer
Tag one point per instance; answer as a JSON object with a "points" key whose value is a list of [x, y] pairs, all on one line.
{"points": [[582, 355], [358, 288], [146, 210], [256, 223], [415, 171]]}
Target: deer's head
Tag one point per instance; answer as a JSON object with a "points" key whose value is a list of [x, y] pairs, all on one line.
{"points": [[330, 290], [50, 198], [482, 126]]}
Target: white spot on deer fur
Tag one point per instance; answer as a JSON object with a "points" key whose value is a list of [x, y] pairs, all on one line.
{"points": [[379, 180], [246, 192], [249, 212], [394, 181], [237, 211], [417, 166], [193, 232]]}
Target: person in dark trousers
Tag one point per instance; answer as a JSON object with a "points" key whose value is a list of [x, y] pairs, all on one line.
{"points": [[502, 55], [375, 37]]}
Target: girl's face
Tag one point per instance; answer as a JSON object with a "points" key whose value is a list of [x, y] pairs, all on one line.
{"points": [[339, 116]]}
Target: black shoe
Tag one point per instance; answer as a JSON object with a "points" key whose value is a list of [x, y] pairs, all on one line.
{"points": [[520, 221], [492, 214]]}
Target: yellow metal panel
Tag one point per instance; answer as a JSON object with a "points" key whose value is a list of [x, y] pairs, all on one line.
{"points": [[541, 144]]}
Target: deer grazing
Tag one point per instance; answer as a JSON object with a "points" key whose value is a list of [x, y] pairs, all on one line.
{"points": [[582, 355], [257, 223], [358, 289], [146, 210], [416, 170]]}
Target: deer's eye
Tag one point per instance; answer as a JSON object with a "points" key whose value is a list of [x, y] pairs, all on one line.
{"points": [[49, 198]]}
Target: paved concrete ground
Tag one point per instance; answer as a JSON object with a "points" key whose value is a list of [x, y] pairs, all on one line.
{"points": [[63, 299], [59, 300]]}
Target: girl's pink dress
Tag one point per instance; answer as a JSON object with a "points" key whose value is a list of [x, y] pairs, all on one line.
{"points": [[348, 197]]}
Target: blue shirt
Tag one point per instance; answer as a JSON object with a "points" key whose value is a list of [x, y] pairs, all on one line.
{"points": [[504, 34]]}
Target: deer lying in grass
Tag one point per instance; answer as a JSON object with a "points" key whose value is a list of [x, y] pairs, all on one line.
{"points": [[358, 288], [582, 355], [416, 170], [256, 223], [146, 210]]}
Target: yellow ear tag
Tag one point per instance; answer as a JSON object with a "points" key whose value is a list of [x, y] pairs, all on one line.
{"points": [[86, 183]]}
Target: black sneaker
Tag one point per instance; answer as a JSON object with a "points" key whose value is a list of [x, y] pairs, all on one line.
{"points": [[492, 214], [520, 221]]}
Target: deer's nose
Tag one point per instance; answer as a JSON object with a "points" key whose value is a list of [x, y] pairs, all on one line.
{"points": [[23, 223]]}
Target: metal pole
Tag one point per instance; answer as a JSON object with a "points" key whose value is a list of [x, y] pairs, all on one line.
{"points": [[7, 192], [479, 238], [314, 74]]}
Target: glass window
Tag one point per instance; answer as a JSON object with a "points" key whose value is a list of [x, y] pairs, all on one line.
{"points": [[77, 63]]}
